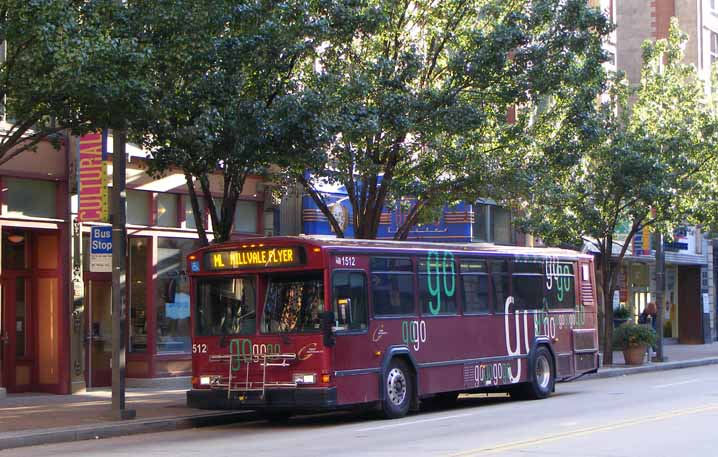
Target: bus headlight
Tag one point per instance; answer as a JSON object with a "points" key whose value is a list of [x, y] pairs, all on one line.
{"points": [[305, 378], [204, 380]]}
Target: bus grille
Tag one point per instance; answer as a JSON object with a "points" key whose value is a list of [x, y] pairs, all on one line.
{"points": [[242, 380], [587, 294], [563, 365], [583, 340], [585, 362]]}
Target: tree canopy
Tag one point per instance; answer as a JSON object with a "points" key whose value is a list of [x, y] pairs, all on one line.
{"points": [[434, 99], [223, 71], [67, 64], [645, 155]]}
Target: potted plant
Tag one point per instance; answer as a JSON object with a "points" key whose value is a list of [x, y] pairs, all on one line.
{"points": [[621, 315], [633, 339]]}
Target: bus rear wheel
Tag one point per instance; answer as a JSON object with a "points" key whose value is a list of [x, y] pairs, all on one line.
{"points": [[398, 390], [541, 377]]}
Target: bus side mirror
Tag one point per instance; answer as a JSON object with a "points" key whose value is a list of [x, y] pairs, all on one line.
{"points": [[327, 323]]}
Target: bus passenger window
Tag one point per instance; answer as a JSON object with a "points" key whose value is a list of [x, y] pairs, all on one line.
{"points": [[559, 285], [349, 296], [527, 282], [500, 282], [392, 294], [437, 286], [474, 286]]}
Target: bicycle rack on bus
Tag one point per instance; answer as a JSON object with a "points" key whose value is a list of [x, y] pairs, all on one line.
{"points": [[264, 360]]}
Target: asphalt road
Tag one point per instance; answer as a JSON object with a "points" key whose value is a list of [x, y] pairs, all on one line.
{"points": [[654, 414]]}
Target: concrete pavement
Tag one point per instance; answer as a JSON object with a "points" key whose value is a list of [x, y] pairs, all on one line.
{"points": [[33, 419]]}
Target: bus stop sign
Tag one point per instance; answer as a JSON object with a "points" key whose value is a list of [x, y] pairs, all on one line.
{"points": [[101, 250]]}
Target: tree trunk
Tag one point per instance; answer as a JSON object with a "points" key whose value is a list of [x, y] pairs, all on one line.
{"points": [[319, 201], [196, 213]]}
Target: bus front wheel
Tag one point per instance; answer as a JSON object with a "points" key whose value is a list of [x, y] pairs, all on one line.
{"points": [[398, 390], [541, 377]]}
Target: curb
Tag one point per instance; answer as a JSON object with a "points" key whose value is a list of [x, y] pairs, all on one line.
{"points": [[113, 429], [650, 367]]}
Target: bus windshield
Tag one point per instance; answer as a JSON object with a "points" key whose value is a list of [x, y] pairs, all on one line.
{"points": [[293, 303], [226, 306]]}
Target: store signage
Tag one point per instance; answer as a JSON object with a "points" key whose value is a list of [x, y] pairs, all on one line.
{"points": [[92, 178], [262, 257], [101, 249]]}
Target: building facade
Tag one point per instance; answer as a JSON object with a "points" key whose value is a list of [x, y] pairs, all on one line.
{"points": [[690, 282], [55, 319]]}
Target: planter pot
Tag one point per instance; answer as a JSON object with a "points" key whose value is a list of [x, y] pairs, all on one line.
{"points": [[634, 355]]}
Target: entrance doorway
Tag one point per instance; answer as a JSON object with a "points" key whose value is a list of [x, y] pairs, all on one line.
{"points": [[690, 310], [98, 333], [18, 355], [31, 311]]}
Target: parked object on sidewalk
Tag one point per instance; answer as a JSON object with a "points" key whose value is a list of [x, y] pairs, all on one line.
{"points": [[633, 339]]}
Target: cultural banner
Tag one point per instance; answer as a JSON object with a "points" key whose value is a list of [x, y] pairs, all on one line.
{"points": [[92, 178]]}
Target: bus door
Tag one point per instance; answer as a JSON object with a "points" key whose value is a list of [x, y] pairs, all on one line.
{"points": [[354, 361]]}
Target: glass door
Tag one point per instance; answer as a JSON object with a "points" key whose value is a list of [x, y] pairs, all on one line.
{"points": [[98, 333]]}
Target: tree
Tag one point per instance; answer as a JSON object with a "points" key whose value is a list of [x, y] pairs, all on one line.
{"points": [[61, 67], [643, 156], [421, 102], [221, 67]]}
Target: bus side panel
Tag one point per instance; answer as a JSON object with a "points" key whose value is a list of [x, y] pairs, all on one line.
{"points": [[356, 389], [356, 369]]}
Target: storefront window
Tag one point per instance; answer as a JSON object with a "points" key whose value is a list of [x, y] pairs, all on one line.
{"points": [[189, 215], [138, 207], [172, 295], [245, 217], [30, 197], [167, 210], [138, 294]]}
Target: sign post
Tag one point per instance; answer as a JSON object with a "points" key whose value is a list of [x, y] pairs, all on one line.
{"points": [[119, 242]]}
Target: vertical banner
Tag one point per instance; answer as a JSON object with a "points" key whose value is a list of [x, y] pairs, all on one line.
{"points": [[92, 178]]}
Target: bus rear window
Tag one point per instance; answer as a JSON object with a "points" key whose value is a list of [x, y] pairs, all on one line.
{"points": [[226, 306], [293, 304]]}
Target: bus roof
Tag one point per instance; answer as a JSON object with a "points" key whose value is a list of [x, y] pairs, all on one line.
{"points": [[343, 244]]}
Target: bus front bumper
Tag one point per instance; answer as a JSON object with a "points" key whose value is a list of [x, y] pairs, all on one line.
{"points": [[301, 399]]}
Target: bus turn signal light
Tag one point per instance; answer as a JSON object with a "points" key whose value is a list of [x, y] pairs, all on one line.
{"points": [[326, 378], [377, 353], [317, 250]]}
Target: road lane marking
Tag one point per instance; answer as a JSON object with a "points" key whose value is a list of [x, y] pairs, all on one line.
{"points": [[403, 424], [583, 432], [663, 386]]}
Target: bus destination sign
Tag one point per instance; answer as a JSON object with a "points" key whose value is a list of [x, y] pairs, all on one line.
{"points": [[233, 259]]}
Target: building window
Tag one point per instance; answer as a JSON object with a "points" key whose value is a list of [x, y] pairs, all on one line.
{"points": [[172, 295], [167, 210], [30, 197], [492, 224], [138, 207], [139, 248], [714, 45], [189, 214], [245, 217]]}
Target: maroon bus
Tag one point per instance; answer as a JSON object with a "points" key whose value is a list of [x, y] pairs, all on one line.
{"points": [[289, 324]]}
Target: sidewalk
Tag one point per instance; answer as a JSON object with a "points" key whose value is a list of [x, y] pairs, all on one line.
{"points": [[33, 419]]}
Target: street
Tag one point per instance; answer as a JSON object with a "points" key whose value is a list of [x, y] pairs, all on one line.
{"points": [[653, 414]]}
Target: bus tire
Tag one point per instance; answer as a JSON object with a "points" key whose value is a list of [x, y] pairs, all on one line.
{"points": [[398, 389], [541, 377]]}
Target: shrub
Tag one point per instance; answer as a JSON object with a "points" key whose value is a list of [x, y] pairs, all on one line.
{"points": [[630, 334], [621, 313]]}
